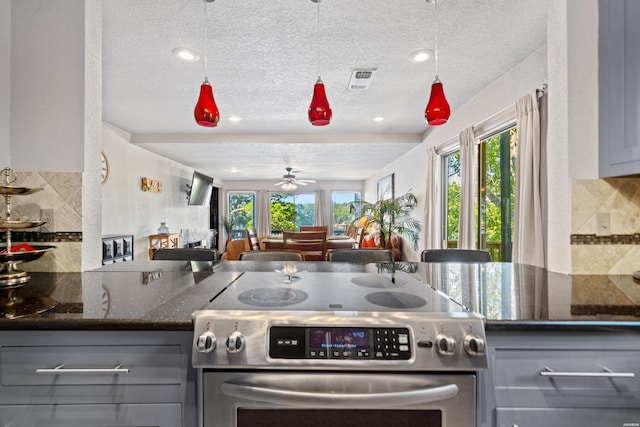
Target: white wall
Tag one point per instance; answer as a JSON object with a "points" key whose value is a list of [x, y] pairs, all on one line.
{"points": [[126, 209], [47, 85], [5, 82], [410, 170], [572, 152]]}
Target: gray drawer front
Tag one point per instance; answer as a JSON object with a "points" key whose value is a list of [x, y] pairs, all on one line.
{"points": [[518, 381], [164, 415], [147, 365], [509, 417]]}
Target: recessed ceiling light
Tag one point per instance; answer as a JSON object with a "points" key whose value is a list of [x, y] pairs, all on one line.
{"points": [[235, 119], [186, 54], [378, 119], [420, 56]]}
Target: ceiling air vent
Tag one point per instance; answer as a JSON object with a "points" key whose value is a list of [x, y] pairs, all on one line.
{"points": [[361, 79]]}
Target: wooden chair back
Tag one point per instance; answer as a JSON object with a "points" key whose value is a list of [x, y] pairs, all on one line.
{"points": [[252, 235], [359, 236], [312, 244], [272, 255], [324, 228]]}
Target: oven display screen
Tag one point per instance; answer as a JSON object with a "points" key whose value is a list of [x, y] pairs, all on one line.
{"points": [[339, 338], [288, 342]]}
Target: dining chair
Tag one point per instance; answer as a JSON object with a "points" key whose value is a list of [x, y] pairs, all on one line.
{"points": [[252, 235], [358, 237], [360, 255], [455, 255], [234, 248], [272, 255], [313, 245], [186, 254], [324, 228]]}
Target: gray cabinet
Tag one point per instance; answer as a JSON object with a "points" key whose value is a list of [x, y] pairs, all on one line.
{"points": [[619, 88], [561, 379], [114, 378]]}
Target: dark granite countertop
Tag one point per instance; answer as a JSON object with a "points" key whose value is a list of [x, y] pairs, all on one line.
{"points": [[162, 295], [523, 297]]}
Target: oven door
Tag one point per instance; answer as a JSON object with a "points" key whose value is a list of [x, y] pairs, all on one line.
{"points": [[319, 399]]}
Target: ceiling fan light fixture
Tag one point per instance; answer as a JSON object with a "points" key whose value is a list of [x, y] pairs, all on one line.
{"points": [[289, 186]]}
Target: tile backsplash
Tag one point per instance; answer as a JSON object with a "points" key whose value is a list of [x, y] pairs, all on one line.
{"points": [[62, 193], [594, 250]]}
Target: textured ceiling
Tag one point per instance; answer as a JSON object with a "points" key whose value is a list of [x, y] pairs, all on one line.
{"points": [[262, 64]]}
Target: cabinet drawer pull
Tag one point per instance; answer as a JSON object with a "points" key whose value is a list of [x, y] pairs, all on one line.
{"points": [[60, 369], [607, 373]]}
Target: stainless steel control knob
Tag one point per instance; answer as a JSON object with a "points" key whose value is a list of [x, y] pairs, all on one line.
{"points": [[235, 342], [206, 342], [474, 345], [446, 345]]}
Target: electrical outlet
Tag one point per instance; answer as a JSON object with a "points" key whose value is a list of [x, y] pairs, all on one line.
{"points": [[603, 224], [47, 215]]}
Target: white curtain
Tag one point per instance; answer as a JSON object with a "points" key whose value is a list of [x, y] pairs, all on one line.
{"points": [[529, 234], [466, 229], [262, 213], [322, 209], [433, 212]]}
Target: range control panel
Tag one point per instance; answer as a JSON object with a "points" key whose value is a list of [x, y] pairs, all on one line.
{"points": [[347, 343]]}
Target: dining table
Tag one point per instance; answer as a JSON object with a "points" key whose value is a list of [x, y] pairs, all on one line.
{"points": [[333, 242]]}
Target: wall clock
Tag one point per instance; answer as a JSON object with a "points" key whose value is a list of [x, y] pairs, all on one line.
{"points": [[104, 167]]}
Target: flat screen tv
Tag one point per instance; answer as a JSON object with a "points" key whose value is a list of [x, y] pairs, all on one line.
{"points": [[200, 191]]}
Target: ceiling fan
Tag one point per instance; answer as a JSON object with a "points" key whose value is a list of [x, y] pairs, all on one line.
{"points": [[289, 181]]}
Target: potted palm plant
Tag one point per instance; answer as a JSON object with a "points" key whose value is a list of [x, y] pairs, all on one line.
{"points": [[391, 216], [228, 223]]}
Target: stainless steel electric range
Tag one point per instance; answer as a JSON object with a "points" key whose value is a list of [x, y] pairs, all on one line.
{"points": [[353, 348]]}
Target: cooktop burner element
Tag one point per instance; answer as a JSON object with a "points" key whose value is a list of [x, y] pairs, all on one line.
{"points": [[381, 281], [398, 300], [272, 297]]}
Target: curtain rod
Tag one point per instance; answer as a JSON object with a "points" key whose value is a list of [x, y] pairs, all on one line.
{"points": [[541, 91]]}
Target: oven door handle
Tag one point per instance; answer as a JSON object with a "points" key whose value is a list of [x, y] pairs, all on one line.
{"points": [[339, 400]]}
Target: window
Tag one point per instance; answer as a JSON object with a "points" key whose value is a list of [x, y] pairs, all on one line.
{"points": [[242, 212], [288, 211], [453, 183], [341, 202], [495, 194]]}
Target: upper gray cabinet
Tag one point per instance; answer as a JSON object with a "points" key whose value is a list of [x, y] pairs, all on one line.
{"points": [[619, 87]]}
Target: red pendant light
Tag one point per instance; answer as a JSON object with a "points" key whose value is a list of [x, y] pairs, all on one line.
{"points": [[206, 112], [437, 112], [319, 109]]}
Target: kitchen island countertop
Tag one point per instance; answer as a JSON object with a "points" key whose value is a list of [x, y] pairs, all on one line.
{"points": [[162, 295]]}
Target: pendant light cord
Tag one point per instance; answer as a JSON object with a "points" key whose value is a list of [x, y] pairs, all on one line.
{"points": [[318, 38], [436, 46], [206, 41]]}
